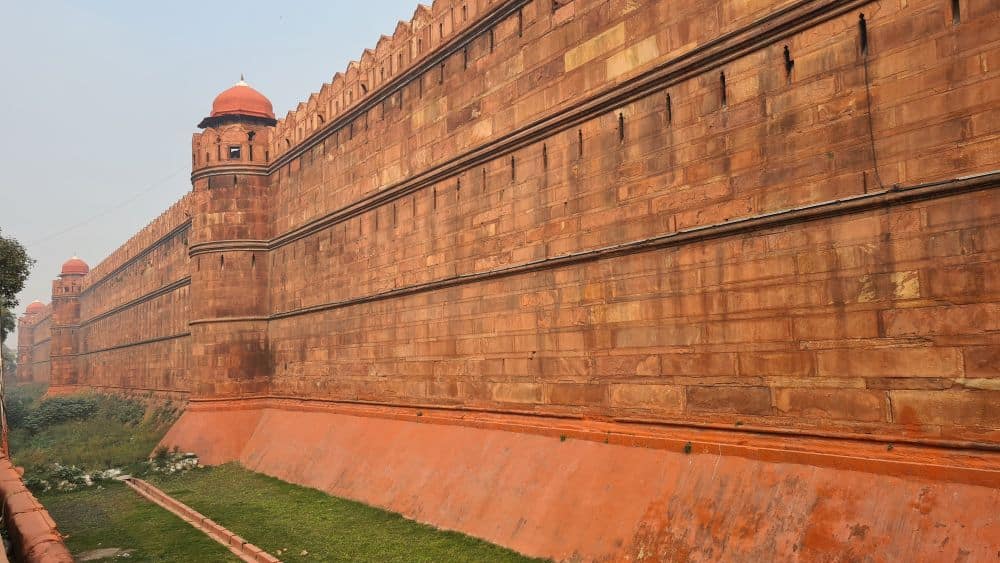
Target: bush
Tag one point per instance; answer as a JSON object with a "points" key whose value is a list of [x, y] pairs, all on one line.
{"points": [[126, 411], [161, 456], [57, 410], [20, 400]]}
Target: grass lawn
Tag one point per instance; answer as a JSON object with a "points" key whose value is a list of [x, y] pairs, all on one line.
{"points": [[275, 515], [90, 433], [115, 517]]}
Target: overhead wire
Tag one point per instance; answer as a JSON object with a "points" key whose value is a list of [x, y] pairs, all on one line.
{"points": [[109, 210]]}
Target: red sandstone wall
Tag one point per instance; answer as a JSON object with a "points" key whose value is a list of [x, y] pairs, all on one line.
{"points": [[425, 230], [134, 311], [39, 368], [847, 324]]}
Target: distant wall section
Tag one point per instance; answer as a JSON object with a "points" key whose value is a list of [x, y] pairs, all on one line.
{"points": [[133, 324]]}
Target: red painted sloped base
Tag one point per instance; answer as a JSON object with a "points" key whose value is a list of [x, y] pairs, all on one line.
{"points": [[592, 491]]}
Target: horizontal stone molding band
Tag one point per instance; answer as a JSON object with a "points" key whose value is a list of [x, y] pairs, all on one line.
{"points": [[185, 225], [127, 345], [434, 58], [859, 453], [227, 246], [248, 402], [171, 287], [724, 49], [893, 196], [226, 169], [40, 342], [230, 320]]}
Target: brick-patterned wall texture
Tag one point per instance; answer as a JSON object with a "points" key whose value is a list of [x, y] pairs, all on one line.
{"points": [[595, 280], [771, 213]]}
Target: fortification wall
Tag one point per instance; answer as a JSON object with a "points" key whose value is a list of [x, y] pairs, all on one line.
{"points": [[133, 330], [681, 227], [38, 366], [396, 271]]}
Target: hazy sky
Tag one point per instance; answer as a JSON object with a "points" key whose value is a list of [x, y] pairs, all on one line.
{"points": [[98, 100]]}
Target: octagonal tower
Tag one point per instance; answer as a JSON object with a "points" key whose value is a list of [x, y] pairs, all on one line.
{"points": [[66, 322], [228, 244]]}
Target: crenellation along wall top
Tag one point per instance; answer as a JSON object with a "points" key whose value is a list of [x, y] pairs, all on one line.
{"points": [[173, 217], [410, 43]]}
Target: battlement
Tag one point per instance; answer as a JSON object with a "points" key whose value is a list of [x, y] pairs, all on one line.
{"points": [[411, 43], [37, 318], [766, 217], [175, 216]]}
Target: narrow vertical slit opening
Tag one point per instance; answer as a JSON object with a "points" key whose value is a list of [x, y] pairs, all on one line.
{"points": [[621, 127], [579, 142], [863, 33], [956, 12], [789, 64], [722, 88], [513, 169], [545, 156], [670, 111]]}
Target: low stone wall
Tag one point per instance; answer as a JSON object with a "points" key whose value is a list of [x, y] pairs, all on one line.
{"points": [[571, 489], [29, 526]]}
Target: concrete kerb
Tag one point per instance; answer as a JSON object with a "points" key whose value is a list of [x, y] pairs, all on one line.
{"points": [[240, 547]]}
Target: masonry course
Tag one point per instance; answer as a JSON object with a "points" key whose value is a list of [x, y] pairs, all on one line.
{"points": [[773, 217]]}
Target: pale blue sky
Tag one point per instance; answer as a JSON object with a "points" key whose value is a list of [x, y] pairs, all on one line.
{"points": [[98, 100]]}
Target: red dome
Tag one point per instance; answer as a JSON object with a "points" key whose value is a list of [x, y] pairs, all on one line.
{"points": [[35, 307], [74, 267], [241, 99]]}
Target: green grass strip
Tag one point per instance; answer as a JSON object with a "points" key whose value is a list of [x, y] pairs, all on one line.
{"points": [[116, 517], [309, 525]]}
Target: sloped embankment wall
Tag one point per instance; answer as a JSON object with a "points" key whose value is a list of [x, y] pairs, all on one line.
{"points": [[564, 489]]}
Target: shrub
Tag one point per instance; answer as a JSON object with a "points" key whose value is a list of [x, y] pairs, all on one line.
{"points": [[57, 410], [161, 456], [125, 411]]}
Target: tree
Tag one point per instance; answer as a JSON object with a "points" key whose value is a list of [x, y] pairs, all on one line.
{"points": [[7, 321], [15, 264], [9, 361]]}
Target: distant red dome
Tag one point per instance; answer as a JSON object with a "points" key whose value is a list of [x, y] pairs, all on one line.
{"points": [[35, 307], [241, 99], [74, 267]]}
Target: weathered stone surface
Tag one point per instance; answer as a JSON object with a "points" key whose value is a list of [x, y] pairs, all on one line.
{"points": [[627, 210], [280, 274]]}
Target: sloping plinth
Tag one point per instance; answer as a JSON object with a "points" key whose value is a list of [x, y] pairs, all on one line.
{"points": [[598, 491]]}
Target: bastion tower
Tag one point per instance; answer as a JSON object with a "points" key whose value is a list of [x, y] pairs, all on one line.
{"points": [[66, 322], [228, 244]]}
